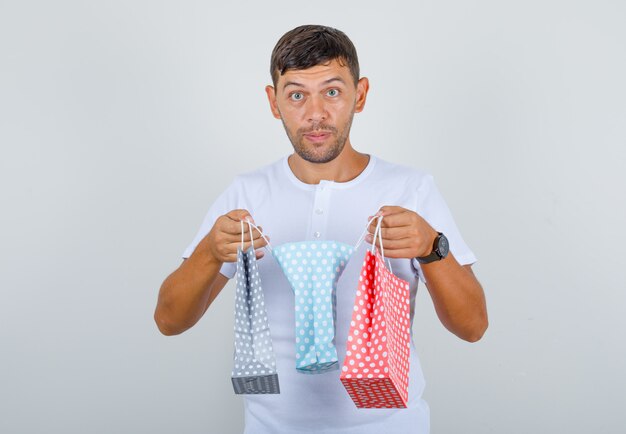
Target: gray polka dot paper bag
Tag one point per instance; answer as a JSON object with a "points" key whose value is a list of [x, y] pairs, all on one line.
{"points": [[254, 370]]}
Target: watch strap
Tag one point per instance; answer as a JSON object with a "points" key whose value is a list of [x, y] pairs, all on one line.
{"points": [[435, 255]]}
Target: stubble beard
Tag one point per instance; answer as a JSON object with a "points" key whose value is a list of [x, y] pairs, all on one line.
{"points": [[309, 153]]}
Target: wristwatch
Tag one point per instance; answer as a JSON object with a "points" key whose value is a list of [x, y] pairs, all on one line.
{"points": [[440, 250]]}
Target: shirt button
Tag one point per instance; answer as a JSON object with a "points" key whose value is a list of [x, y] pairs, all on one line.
{"points": [[319, 211], [317, 234]]}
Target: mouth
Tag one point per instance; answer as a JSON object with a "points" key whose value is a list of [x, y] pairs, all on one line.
{"points": [[317, 136]]}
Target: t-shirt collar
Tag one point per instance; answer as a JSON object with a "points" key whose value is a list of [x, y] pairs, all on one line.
{"points": [[329, 183]]}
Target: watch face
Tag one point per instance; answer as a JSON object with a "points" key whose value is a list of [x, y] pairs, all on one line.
{"points": [[443, 246]]}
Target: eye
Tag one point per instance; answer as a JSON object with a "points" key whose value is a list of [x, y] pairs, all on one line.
{"points": [[296, 96], [333, 92]]}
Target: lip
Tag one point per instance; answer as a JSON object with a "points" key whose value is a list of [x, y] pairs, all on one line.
{"points": [[317, 136]]}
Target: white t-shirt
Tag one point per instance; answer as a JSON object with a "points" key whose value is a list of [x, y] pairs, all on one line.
{"points": [[290, 210]]}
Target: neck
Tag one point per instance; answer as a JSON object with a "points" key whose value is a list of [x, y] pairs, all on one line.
{"points": [[347, 166]]}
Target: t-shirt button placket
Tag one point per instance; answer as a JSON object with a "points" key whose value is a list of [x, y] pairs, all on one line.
{"points": [[320, 206]]}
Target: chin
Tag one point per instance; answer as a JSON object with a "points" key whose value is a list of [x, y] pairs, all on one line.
{"points": [[317, 158], [320, 153]]}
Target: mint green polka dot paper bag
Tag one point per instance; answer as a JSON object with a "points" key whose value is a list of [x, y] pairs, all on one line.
{"points": [[312, 269]]}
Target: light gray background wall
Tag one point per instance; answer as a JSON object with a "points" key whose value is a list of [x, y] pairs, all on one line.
{"points": [[120, 122]]}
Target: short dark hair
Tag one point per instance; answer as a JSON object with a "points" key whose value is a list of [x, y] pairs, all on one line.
{"points": [[310, 45]]}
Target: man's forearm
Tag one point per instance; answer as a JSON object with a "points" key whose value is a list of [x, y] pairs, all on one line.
{"points": [[185, 294], [458, 298]]}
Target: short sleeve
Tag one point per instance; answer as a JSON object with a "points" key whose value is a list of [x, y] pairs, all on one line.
{"points": [[432, 207], [225, 202]]}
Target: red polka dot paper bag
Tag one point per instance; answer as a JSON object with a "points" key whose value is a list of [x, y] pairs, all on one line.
{"points": [[376, 367]]}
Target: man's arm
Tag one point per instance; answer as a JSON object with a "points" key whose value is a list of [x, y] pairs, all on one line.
{"points": [[458, 297], [187, 293], [456, 293]]}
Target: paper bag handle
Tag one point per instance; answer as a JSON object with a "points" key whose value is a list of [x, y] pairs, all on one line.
{"points": [[250, 226], [377, 233]]}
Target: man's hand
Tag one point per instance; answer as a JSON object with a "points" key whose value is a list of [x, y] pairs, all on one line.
{"points": [[405, 234], [224, 238], [457, 295], [187, 293]]}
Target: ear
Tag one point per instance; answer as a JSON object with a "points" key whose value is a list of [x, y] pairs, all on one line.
{"points": [[271, 97], [362, 87]]}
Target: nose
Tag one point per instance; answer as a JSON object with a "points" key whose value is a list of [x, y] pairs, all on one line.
{"points": [[316, 109]]}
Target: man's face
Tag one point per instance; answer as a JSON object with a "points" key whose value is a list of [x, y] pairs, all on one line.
{"points": [[316, 106]]}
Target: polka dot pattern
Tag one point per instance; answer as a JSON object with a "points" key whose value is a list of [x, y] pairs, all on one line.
{"points": [[313, 268], [376, 367], [254, 369]]}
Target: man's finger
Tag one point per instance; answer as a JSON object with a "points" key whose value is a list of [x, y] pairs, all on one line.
{"points": [[395, 233], [399, 219], [236, 238], [388, 210], [247, 245], [398, 253], [404, 243], [232, 225], [233, 241], [239, 214], [402, 223]]}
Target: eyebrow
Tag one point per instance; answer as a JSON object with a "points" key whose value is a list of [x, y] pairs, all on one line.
{"points": [[330, 80]]}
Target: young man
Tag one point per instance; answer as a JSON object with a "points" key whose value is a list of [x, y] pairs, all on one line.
{"points": [[326, 190]]}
